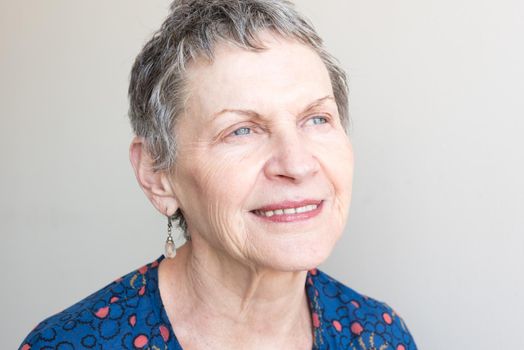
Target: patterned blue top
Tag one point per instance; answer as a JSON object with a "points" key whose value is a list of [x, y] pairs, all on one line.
{"points": [[129, 314]]}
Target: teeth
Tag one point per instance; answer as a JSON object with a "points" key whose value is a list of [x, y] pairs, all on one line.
{"points": [[288, 211], [302, 209]]}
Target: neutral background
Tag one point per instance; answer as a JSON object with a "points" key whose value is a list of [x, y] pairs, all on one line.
{"points": [[436, 225]]}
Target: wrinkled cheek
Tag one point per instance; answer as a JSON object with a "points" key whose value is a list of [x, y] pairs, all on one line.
{"points": [[220, 222], [224, 192], [228, 230]]}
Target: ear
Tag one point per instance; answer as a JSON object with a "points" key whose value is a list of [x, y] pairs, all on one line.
{"points": [[155, 184]]}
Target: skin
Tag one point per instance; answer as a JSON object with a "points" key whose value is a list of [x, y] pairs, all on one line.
{"points": [[259, 128]]}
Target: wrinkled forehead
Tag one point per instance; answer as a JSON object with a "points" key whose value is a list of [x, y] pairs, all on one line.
{"points": [[286, 74]]}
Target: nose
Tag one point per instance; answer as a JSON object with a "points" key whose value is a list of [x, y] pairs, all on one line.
{"points": [[291, 158]]}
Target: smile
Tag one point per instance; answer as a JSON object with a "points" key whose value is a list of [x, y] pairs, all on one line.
{"points": [[289, 211], [304, 209]]}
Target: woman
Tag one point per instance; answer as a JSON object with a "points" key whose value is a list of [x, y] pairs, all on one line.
{"points": [[241, 126]]}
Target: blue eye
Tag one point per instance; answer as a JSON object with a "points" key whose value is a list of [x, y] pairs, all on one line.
{"points": [[242, 131], [318, 120]]}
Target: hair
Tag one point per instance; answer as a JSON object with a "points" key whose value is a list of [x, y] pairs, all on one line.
{"points": [[157, 86]]}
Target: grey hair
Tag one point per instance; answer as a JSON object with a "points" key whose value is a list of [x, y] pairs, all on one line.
{"points": [[191, 31]]}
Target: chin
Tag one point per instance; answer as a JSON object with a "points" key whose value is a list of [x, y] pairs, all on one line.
{"points": [[300, 255]]}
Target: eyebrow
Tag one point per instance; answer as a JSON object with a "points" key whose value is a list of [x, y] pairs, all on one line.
{"points": [[252, 113]]}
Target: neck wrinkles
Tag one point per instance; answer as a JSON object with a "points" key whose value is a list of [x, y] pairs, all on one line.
{"points": [[243, 292], [241, 298]]}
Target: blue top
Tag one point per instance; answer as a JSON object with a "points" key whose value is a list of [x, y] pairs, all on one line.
{"points": [[129, 314]]}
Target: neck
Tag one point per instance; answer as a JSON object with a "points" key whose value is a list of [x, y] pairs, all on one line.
{"points": [[225, 298]]}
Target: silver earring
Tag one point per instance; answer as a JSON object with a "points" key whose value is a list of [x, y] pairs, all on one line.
{"points": [[170, 244]]}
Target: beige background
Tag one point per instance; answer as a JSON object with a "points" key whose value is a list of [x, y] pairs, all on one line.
{"points": [[436, 227]]}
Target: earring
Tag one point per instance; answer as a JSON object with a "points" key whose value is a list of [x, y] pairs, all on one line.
{"points": [[170, 247]]}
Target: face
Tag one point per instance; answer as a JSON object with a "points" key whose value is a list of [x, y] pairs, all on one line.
{"points": [[264, 167]]}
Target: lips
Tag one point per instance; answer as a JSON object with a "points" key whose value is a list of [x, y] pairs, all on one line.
{"points": [[289, 211], [289, 204]]}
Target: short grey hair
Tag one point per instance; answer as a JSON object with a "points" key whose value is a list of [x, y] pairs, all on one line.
{"points": [[157, 88]]}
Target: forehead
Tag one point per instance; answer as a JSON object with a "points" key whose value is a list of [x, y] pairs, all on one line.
{"points": [[286, 74]]}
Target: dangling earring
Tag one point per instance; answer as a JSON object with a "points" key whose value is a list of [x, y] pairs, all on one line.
{"points": [[170, 244]]}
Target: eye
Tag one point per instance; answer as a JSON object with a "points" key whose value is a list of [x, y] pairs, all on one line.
{"points": [[316, 120], [241, 131]]}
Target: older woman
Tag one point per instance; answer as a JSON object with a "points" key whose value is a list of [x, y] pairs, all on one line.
{"points": [[241, 125]]}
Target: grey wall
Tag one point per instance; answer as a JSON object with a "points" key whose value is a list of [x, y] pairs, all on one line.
{"points": [[436, 97]]}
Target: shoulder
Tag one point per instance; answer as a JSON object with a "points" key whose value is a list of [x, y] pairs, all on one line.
{"points": [[117, 316], [354, 320]]}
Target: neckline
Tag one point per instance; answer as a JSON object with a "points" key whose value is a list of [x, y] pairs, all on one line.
{"points": [[172, 341], [158, 306]]}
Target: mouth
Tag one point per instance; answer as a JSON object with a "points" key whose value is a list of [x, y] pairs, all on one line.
{"points": [[289, 211]]}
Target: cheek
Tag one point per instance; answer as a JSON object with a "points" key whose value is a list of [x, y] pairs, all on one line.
{"points": [[336, 156], [345, 166], [228, 180], [343, 170], [217, 187], [227, 186], [337, 160]]}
